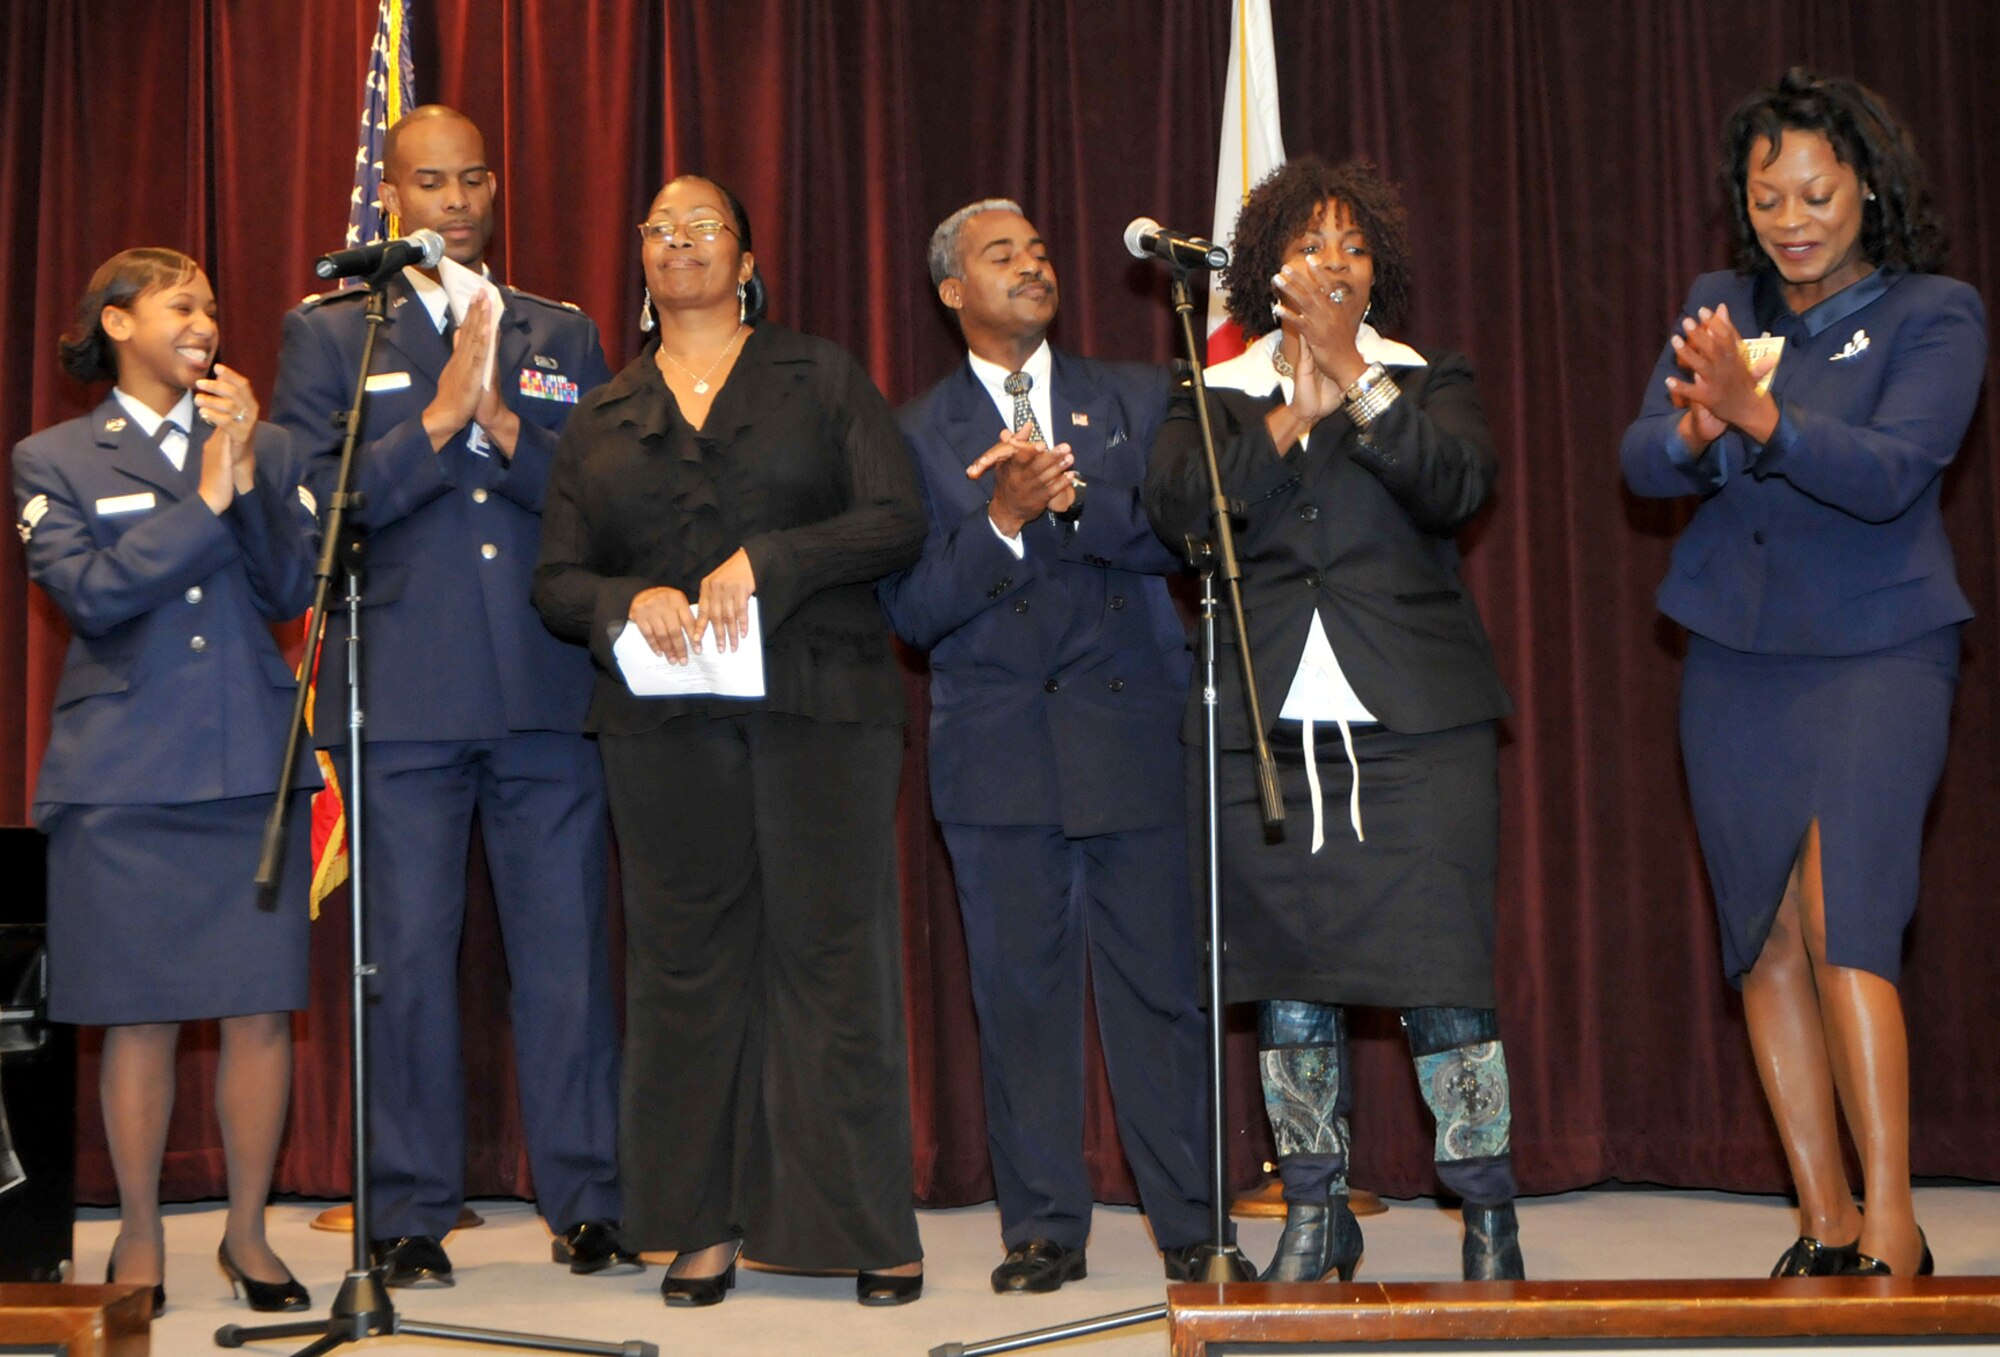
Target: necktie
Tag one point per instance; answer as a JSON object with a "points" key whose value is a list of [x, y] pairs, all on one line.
{"points": [[173, 452], [1017, 385]]}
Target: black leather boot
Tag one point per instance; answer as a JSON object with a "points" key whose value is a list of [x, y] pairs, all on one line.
{"points": [[1318, 1242], [1492, 1249]]}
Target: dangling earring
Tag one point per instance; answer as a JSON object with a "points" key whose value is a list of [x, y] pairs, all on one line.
{"points": [[742, 304], [1367, 311], [646, 311]]}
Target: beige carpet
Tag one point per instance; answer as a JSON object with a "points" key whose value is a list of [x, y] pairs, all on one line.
{"points": [[506, 1281]]}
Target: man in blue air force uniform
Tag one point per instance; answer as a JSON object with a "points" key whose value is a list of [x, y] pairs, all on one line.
{"points": [[1058, 671], [470, 705]]}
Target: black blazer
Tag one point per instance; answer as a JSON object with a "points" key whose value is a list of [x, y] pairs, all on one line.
{"points": [[1361, 530]]}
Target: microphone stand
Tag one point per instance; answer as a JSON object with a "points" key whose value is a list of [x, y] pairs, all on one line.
{"points": [[1217, 1261], [362, 1309]]}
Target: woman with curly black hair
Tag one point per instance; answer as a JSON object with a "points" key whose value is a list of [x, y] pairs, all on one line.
{"points": [[1358, 459], [1823, 613]]}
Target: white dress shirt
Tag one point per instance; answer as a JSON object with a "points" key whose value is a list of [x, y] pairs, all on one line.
{"points": [[175, 444]]}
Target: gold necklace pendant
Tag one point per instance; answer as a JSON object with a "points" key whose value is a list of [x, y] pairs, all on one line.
{"points": [[701, 379]]}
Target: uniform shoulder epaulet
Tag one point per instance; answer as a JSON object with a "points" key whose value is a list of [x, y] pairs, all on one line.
{"points": [[338, 294], [547, 301]]}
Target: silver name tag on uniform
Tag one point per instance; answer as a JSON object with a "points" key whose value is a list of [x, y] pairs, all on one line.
{"points": [[126, 504], [389, 381]]}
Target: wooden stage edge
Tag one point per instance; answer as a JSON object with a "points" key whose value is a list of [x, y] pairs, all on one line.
{"points": [[1199, 1314], [82, 1321]]}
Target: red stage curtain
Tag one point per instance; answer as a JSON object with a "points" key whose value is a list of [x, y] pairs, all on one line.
{"points": [[1558, 162]]}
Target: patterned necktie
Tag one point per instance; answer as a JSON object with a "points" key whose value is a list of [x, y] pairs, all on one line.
{"points": [[1018, 385]]}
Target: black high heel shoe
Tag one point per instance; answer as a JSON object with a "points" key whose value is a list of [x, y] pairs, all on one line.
{"points": [[265, 1296], [1318, 1242], [884, 1288], [701, 1290], [159, 1288], [1808, 1257], [1868, 1265]]}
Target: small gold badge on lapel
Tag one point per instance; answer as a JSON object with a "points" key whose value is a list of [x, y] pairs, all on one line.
{"points": [[1080, 419], [115, 424]]}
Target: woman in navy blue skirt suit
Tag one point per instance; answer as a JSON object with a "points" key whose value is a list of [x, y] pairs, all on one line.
{"points": [[169, 528], [1823, 612]]}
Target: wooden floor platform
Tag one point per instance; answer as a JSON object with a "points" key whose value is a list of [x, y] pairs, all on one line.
{"points": [[1411, 1312], [80, 1321]]}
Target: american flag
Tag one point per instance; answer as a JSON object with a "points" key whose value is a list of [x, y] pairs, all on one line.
{"points": [[386, 95]]}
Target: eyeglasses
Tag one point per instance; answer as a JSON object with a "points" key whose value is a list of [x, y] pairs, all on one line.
{"points": [[660, 232]]}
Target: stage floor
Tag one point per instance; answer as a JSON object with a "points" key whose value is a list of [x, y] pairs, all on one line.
{"points": [[506, 1280]]}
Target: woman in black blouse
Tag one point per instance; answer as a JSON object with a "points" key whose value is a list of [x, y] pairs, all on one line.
{"points": [[766, 1097]]}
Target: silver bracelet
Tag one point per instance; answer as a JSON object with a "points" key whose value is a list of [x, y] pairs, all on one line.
{"points": [[1373, 392]]}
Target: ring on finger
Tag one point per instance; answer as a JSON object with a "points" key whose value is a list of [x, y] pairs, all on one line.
{"points": [[1338, 296], [240, 416]]}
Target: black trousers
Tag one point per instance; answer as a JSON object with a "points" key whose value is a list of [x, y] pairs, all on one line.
{"points": [[766, 1076]]}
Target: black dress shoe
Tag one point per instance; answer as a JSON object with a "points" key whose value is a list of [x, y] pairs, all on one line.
{"points": [[1039, 1265], [708, 1290], [885, 1288], [1807, 1257], [413, 1260], [1492, 1249], [1868, 1265], [1189, 1263], [1318, 1242], [593, 1248], [159, 1288], [265, 1296]]}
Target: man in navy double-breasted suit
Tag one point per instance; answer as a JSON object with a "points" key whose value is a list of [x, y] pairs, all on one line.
{"points": [[1058, 672], [470, 705]]}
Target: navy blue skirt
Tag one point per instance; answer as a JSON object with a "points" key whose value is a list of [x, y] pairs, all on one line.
{"points": [[153, 913], [1773, 742]]}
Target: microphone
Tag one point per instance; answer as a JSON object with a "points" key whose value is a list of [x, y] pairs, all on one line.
{"points": [[1144, 236], [423, 248]]}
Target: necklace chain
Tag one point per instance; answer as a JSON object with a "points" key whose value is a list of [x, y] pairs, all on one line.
{"points": [[701, 378]]}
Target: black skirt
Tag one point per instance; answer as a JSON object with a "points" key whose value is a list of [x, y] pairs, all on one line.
{"points": [[1399, 916]]}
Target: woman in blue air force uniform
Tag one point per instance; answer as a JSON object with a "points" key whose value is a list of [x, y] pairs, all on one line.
{"points": [[1823, 612], [168, 527]]}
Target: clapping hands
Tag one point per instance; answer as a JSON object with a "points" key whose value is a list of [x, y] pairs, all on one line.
{"points": [[1720, 389], [1028, 478]]}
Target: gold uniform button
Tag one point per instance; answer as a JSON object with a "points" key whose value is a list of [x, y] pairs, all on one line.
{"points": [[489, 551], [197, 643], [479, 495], [193, 595]]}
